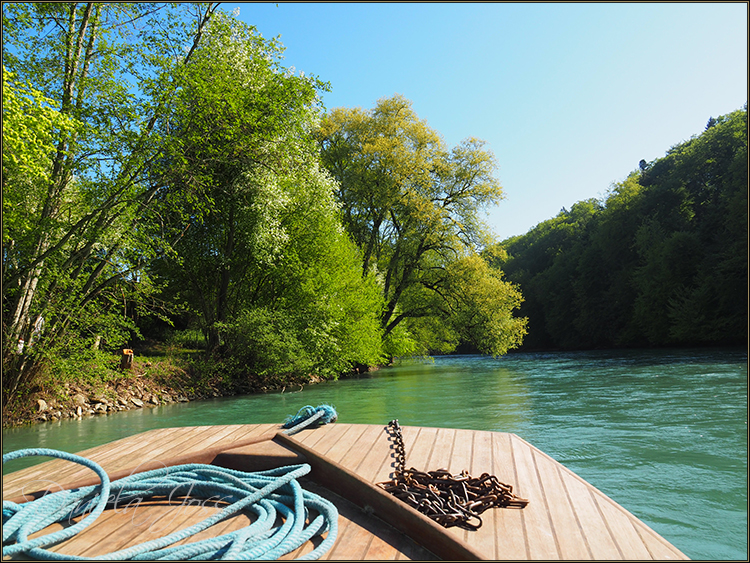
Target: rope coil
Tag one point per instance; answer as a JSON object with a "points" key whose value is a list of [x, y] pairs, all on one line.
{"points": [[267, 497], [323, 414]]}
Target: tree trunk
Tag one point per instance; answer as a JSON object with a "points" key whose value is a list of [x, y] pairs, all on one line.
{"points": [[60, 170]]}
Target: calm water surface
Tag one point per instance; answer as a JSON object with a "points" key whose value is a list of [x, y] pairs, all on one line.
{"points": [[663, 433]]}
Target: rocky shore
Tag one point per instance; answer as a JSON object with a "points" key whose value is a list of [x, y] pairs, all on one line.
{"points": [[136, 389], [147, 384], [82, 402]]}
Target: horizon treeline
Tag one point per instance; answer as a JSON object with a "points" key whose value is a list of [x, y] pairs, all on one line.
{"points": [[661, 260]]}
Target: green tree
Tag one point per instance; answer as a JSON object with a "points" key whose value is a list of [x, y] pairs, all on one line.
{"points": [[75, 259], [264, 262], [30, 123], [413, 207]]}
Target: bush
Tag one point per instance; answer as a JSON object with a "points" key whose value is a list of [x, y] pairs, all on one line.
{"points": [[269, 344], [191, 339]]}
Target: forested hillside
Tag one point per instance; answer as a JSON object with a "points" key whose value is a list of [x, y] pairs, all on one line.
{"points": [[660, 261], [165, 177]]}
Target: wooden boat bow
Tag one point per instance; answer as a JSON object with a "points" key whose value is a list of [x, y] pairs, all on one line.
{"points": [[567, 518], [277, 449]]}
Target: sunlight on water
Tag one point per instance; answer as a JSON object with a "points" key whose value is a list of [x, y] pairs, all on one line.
{"points": [[664, 433]]}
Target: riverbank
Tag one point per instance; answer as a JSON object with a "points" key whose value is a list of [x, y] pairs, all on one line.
{"points": [[157, 377], [152, 381]]}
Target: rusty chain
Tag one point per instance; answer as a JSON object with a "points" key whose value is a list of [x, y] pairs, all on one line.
{"points": [[450, 500], [398, 444]]}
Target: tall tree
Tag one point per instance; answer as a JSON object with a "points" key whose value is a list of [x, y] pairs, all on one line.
{"points": [[264, 262], [109, 68], [413, 207]]}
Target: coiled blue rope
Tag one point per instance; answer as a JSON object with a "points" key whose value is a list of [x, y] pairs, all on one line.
{"points": [[264, 494], [323, 414]]}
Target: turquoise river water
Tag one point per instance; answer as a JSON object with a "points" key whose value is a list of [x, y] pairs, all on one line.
{"points": [[663, 433]]}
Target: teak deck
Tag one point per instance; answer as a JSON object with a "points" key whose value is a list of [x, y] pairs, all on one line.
{"points": [[566, 517]]}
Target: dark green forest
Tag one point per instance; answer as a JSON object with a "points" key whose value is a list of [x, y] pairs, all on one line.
{"points": [[166, 180], [661, 260]]}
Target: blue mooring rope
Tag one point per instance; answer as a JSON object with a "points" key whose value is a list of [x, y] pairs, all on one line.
{"points": [[263, 494], [307, 415]]}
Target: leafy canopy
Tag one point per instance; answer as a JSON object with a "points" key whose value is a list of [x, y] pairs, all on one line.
{"points": [[270, 275], [414, 208]]}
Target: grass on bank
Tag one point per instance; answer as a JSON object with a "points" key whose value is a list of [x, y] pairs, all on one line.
{"points": [[178, 366], [167, 366]]}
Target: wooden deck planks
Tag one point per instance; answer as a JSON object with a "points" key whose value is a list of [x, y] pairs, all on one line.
{"points": [[623, 530], [510, 531], [597, 535], [481, 462], [63, 469], [358, 453], [461, 458], [657, 545], [570, 542], [566, 517], [141, 523], [629, 536], [364, 449], [539, 532], [129, 453], [423, 446], [352, 544], [362, 536]]}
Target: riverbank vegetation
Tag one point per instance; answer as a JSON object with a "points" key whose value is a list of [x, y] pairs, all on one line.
{"points": [[660, 261], [164, 174]]}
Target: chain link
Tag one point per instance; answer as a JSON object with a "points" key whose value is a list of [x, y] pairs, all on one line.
{"points": [[398, 444], [450, 500]]}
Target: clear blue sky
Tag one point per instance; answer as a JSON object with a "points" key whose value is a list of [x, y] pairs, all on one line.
{"points": [[569, 96]]}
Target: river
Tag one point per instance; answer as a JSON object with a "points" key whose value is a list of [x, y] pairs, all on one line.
{"points": [[663, 433]]}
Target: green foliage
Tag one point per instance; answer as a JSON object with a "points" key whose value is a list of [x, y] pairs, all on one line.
{"points": [[413, 341], [412, 206], [539, 264], [270, 275], [269, 344], [75, 256], [481, 306], [661, 261], [84, 366], [30, 128], [139, 184], [425, 336], [188, 339]]}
